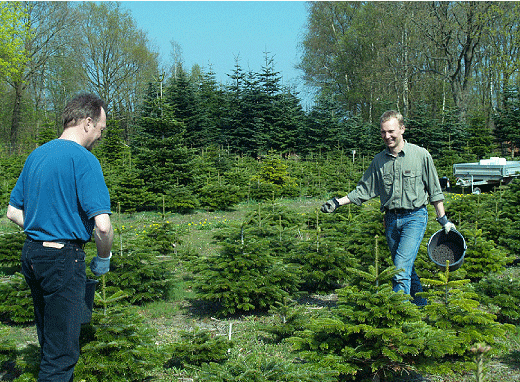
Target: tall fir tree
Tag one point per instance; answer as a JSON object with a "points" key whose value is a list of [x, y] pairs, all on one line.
{"points": [[255, 117], [323, 131], [236, 130], [211, 108], [280, 109], [163, 159], [289, 120], [182, 94]]}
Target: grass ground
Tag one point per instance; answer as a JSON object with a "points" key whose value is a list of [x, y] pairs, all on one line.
{"points": [[180, 313]]}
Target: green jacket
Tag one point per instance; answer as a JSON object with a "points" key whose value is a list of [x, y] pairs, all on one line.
{"points": [[408, 180]]}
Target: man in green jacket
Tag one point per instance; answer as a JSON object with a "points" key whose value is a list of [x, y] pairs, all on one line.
{"points": [[405, 179]]}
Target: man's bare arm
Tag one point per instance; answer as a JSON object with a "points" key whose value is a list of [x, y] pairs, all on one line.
{"points": [[15, 215], [439, 208], [344, 200], [104, 235]]}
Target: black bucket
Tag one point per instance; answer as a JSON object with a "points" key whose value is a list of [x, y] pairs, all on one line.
{"points": [[451, 246], [90, 290]]}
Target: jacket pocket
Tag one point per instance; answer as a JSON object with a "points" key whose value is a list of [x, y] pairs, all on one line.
{"points": [[410, 184]]}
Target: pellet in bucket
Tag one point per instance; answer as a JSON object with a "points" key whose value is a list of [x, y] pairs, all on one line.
{"points": [[447, 251]]}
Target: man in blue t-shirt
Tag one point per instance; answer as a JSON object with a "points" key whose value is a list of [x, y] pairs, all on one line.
{"points": [[60, 200]]}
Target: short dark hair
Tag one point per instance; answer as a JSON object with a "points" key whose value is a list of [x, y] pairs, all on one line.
{"points": [[82, 106], [389, 114]]}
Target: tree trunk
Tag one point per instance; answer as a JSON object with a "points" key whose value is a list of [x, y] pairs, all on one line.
{"points": [[16, 116], [406, 88]]}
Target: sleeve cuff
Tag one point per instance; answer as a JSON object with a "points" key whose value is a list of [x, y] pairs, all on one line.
{"points": [[105, 258], [443, 220]]}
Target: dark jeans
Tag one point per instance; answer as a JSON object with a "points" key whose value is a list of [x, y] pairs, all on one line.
{"points": [[57, 279], [404, 233]]}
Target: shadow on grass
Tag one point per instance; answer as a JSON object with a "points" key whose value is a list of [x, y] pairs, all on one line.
{"points": [[202, 308], [512, 359], [28, 357]]}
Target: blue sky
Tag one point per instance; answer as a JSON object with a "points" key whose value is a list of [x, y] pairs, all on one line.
{"points": [[216, 32]]}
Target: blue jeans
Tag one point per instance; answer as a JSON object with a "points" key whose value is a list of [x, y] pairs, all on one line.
{"points": [[404, 233], [57, 279]]}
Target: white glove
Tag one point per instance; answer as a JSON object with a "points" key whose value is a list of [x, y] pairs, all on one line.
{"points": [[446, 224], [449, 226], [100, 265]]}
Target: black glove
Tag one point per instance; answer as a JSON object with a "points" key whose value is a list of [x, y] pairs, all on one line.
{"points": [[330, 205]]}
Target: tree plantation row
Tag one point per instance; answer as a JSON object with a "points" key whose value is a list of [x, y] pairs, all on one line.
{"points": [[165, 175]]}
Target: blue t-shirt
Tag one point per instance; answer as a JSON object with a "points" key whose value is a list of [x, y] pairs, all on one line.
{"points": [[61, 189]]}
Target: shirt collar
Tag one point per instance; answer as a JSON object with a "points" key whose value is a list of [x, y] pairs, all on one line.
{"points": [[402, 152]]}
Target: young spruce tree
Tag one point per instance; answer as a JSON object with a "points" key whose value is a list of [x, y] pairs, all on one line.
{"points": [[455, 309], [372, 333], [248, 273]]}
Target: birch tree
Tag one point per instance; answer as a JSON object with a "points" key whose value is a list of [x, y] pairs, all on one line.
{"points": [[116, 57], [41, 24]]}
